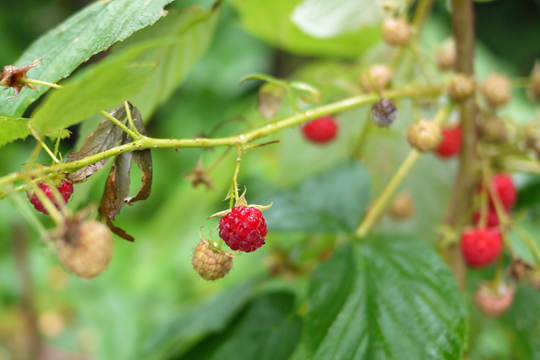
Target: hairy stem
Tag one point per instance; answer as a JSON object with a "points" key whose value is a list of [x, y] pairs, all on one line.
{"points": [[144, 142], [463, 29]]}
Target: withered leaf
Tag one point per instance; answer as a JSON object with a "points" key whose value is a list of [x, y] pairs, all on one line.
{"points": [[106, 136], [269, 99], [119, 231]]}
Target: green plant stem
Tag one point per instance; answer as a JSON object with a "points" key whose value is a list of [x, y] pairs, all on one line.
{"points": [[522, 165], [144, 142], [358, 150], [130, 118], [120, 125], [43, 145], [423, 8], [39, 82], [409, 162]]}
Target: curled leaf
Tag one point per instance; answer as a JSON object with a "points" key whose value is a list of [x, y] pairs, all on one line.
{"points": [[270, 99]]}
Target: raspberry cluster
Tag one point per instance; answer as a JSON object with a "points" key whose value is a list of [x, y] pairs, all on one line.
{"points": [[244, 228], [65, 188]]}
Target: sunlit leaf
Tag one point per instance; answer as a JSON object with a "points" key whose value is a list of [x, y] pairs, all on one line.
{"points": [[12, 128]]}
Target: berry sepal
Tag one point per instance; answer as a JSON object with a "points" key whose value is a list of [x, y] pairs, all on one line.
{"points": [[242, 202]]}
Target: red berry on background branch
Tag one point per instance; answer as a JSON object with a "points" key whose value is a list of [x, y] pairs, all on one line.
{"points": [[321, 130], [504, 186], [65, 188], [480, 246], [492, 218], [451, 142], [244, 228]]}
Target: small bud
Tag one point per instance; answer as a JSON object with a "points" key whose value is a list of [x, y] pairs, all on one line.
{"points": [[497, 90], [493, 130], [396, 32], [424, 135], [402, 207], [384, 113], [210, 263], [461, 87], [494, 303], [86, 248], [534, 83], [377, 77], [446, 57]]}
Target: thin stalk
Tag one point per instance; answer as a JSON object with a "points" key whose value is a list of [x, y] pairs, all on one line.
{"points": [[39, 82], [118, 123], [43, 145], [130, 118]]}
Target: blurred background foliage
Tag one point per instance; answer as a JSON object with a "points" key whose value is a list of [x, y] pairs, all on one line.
{"points": [[150, 303]]}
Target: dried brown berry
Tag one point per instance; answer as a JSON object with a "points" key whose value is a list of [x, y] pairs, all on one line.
{"points": [[384, 113], [446, 57], [461, 87], [377, 77], [493, 130], [86, 248], [210, 263], [497, 90], [402, 207], [424, 135], [13, 76], [396, 31], [494, 302]]}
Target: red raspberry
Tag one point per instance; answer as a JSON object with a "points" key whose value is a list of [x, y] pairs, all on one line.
{"points": [[321, 130], [480, 246], [504, 186], [492, 218], [451, 143], [243, 228], [65, 188]]}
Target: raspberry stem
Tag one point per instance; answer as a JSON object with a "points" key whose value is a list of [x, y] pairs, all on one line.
{"points": [[118, 123], [42, 144], [39, 82], [396, 180]]}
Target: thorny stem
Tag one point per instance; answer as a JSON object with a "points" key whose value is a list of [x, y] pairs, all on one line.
{"points": [[144, 142], [396, 180], [463, 29]]}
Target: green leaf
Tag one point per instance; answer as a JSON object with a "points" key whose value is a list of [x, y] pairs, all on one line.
{"points": [[523, 320], [96, 88], [272, 22], [190, 33], [91, 30], [324, 19], [385, 298], [334, 200], [13, 128], [265, 330], [185, 330]]}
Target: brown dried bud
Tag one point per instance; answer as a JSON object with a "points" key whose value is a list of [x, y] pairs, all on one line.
{"points": [[402, 207], [494, 303], [534, 83], [446, 57], [424, 135], [13, 76], [497, 90], [377, 77], [461, 87], [396, 31], [86, 248], [210, 263], [493, 130], [384, 113]]}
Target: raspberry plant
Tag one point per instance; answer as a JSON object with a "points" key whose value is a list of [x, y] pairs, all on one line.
{"points": [[394, 240]]}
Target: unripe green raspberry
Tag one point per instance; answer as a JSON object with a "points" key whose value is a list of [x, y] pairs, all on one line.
{"points": [[461, 87], [493, 130], [497, 90], [86, 249], [210, 263], [402, 207], [446, 56], [424, 135], [396, 31], [377, 77]]}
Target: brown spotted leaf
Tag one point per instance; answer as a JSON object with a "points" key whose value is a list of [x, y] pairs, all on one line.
{"points": [[106, 136]]}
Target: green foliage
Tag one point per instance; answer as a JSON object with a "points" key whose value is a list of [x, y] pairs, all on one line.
{"points": [[386, 298], [93, 29], [329, 202], [13, 128]]}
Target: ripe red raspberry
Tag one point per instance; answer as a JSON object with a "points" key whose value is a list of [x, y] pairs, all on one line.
{"points": [[451, 142], [243, 228], [492, 218], [65, 188], [504, 186], [480, 246], [321, 130]]}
